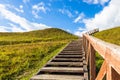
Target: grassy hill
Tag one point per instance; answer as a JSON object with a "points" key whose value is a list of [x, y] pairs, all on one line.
{"points": [[110, 35], [23, 54], [51, 34]]}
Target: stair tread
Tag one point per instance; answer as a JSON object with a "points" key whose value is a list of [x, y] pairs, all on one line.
{"points": [[63, 69], [56, 77], [67, 59], [66, 63]]}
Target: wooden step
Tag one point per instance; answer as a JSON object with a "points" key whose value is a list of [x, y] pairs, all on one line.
{"points": [[62, 70], [69, 56], [70, 53], [56, 77], [67, 60], [69, 64]]}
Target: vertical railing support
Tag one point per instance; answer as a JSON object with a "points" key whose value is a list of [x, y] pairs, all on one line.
{"points": [[92, 63]]}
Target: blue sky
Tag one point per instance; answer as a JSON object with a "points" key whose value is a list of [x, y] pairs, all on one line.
{"points": [[75, 16]]}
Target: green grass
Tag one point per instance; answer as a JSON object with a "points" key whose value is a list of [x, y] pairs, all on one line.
{"points": [[51, 34], [23, 54], [111, 36]]}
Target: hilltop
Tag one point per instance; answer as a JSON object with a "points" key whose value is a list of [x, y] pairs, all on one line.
{"points": [[23, 54], [50, 34], [111, 35]]}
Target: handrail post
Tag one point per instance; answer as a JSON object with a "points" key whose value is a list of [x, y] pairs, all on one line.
{"points": [[92, 63]]}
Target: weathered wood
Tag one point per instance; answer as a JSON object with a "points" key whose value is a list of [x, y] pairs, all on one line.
{"points": [[109, 72], [67, 60], [115, 75], [111, 54], [69, 56], [77, 64], [102, 71], [62, 69], [92, 63], [67, 65], [56, 77]]}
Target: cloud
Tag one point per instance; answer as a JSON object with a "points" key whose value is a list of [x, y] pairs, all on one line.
{"points": [[40, 7], [20, 9], [23, 23], [102, 2], [80, 31], [109, 17], [65, 11], [79, 18], [25, 1]]}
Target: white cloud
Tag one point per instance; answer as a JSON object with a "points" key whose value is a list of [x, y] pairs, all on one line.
{"points": [[65, 11], [22, 22], [109, 17], [40, 7], [25, 1], [3, 28], [102, 2], [20, 9], [79, 18]]}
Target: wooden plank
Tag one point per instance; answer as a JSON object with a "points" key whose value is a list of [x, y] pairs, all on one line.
{"points": [[92, 63], [77, 64], [56, 77], [71, 53], [109, 73], [69, 56], [115, 75], [102, 71], [67, 59], [62, 69], [113, 51]]}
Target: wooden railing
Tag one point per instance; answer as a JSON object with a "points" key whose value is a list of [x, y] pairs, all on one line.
{"points": [[110, 68]]}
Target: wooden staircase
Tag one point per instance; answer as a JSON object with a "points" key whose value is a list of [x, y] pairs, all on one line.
{"points": [[69, 64]]}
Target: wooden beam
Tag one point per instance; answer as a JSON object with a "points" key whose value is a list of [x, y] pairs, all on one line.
{"points": [[92, 63], [109, 75], [102, 71], [112, 56]]}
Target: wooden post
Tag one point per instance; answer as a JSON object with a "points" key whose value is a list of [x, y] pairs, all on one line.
{"points": [[109, 75], [92, 63]]}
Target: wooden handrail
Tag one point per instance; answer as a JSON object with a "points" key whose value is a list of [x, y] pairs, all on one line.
{"points": [[110, 53]]}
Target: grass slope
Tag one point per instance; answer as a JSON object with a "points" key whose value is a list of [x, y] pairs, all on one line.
{"points": [[110, 35], [51, 34], [23, 54]]}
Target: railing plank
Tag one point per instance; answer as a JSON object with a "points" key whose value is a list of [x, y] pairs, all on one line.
{"points": [[109, 73], [113, 52], [110, 53], [102, 71]]}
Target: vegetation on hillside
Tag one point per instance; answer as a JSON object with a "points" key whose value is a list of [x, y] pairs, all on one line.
{"points": [[51, 34], [23, 54], [110, 35]]}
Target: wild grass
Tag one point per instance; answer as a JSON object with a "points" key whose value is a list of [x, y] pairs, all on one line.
{"points": [[23, 54], [111, 36], [16, 60]]}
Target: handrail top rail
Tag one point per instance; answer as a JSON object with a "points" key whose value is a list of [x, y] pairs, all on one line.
{"points": [[110, 52], [92, 31]]}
